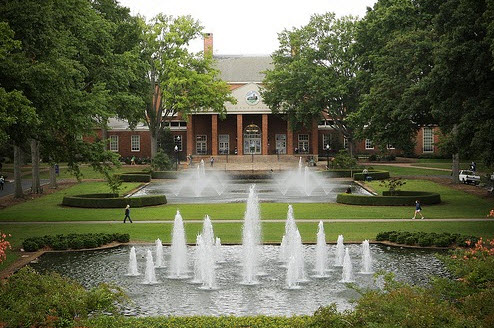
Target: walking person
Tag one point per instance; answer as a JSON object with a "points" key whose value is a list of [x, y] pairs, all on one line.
{"points": [[212, 161], [127, 214], [418, 210], [2, 182]]}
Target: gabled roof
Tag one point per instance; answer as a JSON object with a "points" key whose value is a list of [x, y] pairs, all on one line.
{"points": [[243, 68]]}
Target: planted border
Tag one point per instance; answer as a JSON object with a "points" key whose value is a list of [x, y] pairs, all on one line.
{"points": [[112, 201], [135, 177], [73, 241], [357, 174], [374, 174], [401, 198], [164, 174], [427, 239]]}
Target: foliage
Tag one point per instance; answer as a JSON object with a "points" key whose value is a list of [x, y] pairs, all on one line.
{"points": [[135, 177], [373, 174], [343, 160], [4, 245], [161, 162], [30, 299], [179, 82], [114, 183], [392, 184], [444, 239], [73, 241], [315, 70]]}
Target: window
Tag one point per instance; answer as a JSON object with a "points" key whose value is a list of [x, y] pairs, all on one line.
{"points": [[345, 142], [178, 142], [201, 145], [390, 146], [326, 140], [369, 144], [224, 144], [303, 143], [113, 143], [428, 140], [135, 143]]}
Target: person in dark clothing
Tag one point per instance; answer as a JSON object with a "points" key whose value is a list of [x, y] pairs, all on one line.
{"points": [[418, 210], [127, 214], [348, 190]]}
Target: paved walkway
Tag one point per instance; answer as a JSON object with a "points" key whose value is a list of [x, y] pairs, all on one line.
{"points": [[264, 221]]}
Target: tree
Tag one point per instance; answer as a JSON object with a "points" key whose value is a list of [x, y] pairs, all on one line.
{"points": [[461, 83], [179, 82], [395, 43], [315, 71]]}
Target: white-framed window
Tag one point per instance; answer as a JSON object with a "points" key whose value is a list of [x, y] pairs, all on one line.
{"points": [[135, 143], [113, 143], [428, 144], [224, 144], [369, 144], [326, 140], [345, 142], [303, 143], [178, 142], [201, 144], [390, 146]]}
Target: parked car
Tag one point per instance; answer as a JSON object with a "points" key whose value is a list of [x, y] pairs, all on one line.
{"points": [[467, 176]]}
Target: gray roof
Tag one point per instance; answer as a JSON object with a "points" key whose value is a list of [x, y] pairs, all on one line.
{"points": [[243, 68]]}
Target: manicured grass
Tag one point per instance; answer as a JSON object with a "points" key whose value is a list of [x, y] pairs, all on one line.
{"points": [[409, 171], [463, 166], [456, 204]]}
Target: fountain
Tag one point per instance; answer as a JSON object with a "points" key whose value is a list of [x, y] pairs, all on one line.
{"points": [[320, 266], [340, 252], [160, 262], [366, 258], [251, 239], [149, 275], [303, 181], [218, 251], [205, 257], [178, 260], [347, 273], [291, 250], [132, 271], [292, 281], [198, 183]]}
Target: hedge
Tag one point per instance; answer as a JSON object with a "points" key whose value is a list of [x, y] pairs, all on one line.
{"points": [[164, 174], [374, 174], [112, 201], [425, 239], [73, 241], [135, 177], [401, 198]]}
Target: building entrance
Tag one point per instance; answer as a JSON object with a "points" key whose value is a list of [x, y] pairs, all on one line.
{"points": [[281, 144], [252, 140]]}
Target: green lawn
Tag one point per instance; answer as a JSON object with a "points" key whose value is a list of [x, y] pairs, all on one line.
{"points": [[456, 204], [463, 166], [408, 171]]}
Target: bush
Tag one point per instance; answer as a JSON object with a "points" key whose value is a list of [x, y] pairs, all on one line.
{"points": [[374, 174], [112, 201], [122, 237], [425, 241], [60, 244], [161, 162], [135, 177], [402, 237], [76, 243], [30, 299], [401, 198], [164, 174], [29, 245], [343, 160], [411, 240], [393, 236]]}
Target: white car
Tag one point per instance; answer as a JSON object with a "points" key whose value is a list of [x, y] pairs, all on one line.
{"points": [[467, 176]]}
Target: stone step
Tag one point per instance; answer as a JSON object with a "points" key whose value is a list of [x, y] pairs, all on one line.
{"points": [[251, 159]]}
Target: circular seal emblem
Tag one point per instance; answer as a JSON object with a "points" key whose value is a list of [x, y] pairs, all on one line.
{"points": [[252, 97]]}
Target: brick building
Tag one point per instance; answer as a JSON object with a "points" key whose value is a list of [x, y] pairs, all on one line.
{"points": [[249, 126]]}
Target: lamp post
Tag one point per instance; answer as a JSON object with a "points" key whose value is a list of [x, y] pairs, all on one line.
{"points": [[327, 154], [176, 154]]}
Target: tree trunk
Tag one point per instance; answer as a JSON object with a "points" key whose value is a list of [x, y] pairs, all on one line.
{"points": [[36, 184], [455, 172], [154, 144], [17, 172], [53, 177]]}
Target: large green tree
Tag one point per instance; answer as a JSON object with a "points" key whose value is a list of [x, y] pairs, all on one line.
{"points": [[315, 71], [395, 42], [180, 82], [461, 83]]}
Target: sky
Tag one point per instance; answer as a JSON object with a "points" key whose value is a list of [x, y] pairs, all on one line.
{"points": [[249, 27]]}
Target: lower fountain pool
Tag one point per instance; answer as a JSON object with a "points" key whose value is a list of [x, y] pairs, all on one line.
{"points": [[269, 297]]}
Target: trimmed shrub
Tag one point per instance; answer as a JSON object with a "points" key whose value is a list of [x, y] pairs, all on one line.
{"points": [[411, 240], [425, 241], [402, 237], [393, 236], [29, 245], [374, 174], [135, 177], [164, 174], [112, 201], [383, 235], [76, 243], [60, 244], [122, 237], [73, 241], [401, 198]]}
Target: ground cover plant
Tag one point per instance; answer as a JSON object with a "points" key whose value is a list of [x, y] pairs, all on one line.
{"points": [[73, 241]]}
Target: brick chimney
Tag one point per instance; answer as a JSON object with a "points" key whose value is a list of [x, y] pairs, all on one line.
{"points": [[208, 42]]}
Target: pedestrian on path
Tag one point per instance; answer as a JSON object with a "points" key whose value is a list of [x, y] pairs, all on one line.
{"points": [[2, 182], [212, 161], [418, 210], [127, 214]]}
